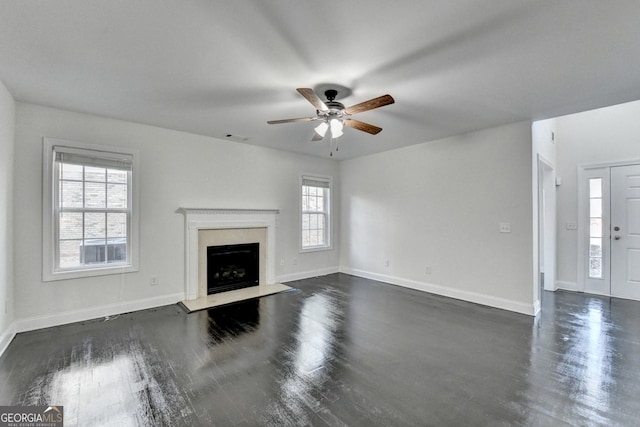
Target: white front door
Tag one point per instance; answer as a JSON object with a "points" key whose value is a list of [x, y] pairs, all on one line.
{"points": [[625, 231]]}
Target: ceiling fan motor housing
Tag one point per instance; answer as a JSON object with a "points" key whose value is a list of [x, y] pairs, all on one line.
{"points": [[335, 108]]}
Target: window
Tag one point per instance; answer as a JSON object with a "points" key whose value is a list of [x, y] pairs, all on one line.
{"points": [[89, 216], [594, 247], [595, 228], [315, 221]]}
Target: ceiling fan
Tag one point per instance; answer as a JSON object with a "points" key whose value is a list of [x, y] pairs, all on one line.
{"points": [[333, 115]]}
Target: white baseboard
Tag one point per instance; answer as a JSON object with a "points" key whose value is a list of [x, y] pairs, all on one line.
{"points": [[7, 336], [306, 274], [567, 286], [39, 322], [536, 308], [474, 297], [47, 321]]}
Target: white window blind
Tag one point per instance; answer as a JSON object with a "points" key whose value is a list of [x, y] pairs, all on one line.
{"points": [[314, 182], [74, 156]]}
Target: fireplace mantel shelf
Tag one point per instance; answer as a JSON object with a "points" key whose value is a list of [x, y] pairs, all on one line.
{"points": [[209, 211]]}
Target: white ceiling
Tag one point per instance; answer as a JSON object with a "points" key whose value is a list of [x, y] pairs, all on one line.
{"points": [[217, 67]]}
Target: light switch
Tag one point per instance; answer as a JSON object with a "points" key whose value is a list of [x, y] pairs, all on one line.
{"points": [[505, 227]]}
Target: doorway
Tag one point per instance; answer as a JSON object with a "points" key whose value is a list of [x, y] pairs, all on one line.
{"points": [[546, 225], [609, 227]]}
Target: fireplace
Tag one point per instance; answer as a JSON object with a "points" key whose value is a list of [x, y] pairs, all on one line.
{"points": [[216, 227], [225, 227], [231, 267]]}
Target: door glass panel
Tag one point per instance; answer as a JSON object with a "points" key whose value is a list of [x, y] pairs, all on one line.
{"points": [[595, 229], [595, 187], [595, 247], [595, 267], [595, 208]]}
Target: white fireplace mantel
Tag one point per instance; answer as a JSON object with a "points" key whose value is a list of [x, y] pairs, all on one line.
{"points": [[196, 219]]}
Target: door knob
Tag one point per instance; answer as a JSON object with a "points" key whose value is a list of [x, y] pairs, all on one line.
{"points": [[616, 228], [616, 237]]}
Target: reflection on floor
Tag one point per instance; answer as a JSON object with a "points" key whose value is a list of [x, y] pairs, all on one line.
{"points": [[340, 351]]}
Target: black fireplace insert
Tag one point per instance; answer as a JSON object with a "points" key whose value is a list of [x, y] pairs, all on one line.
{"points": [[231, 267]]}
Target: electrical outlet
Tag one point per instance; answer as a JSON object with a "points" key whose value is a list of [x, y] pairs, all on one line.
{"points": [[505, 227], [427, 270], [153, 281], [386, 263], [282, 261], [572, 226]]}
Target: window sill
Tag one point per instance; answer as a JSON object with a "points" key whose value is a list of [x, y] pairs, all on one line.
{"points": [[93, 272], [315, 249]]}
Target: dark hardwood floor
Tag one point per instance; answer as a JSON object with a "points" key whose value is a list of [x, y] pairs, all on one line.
{"points": [[338, 351]]}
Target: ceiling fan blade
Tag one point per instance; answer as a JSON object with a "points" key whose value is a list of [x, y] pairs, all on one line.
{"points": [[378, 102], [311, 96], [300, 119], [365, 127]]}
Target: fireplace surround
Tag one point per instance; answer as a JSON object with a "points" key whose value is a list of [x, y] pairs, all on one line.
{"points": [[223, 227]]}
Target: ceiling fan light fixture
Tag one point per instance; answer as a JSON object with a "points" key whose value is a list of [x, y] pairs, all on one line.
{"points": [[321, 129], [336, 128]]}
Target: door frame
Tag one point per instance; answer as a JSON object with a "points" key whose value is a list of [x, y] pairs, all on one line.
{"points": [[546, 224], [586, 171]]}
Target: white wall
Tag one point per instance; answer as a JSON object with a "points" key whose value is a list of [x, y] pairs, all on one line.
{"points": [[439, 204], [177, 169], [7, 122], [603, 135]]}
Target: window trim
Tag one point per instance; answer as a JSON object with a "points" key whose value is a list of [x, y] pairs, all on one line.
{"points": [[49, 231], [329, 227]]}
